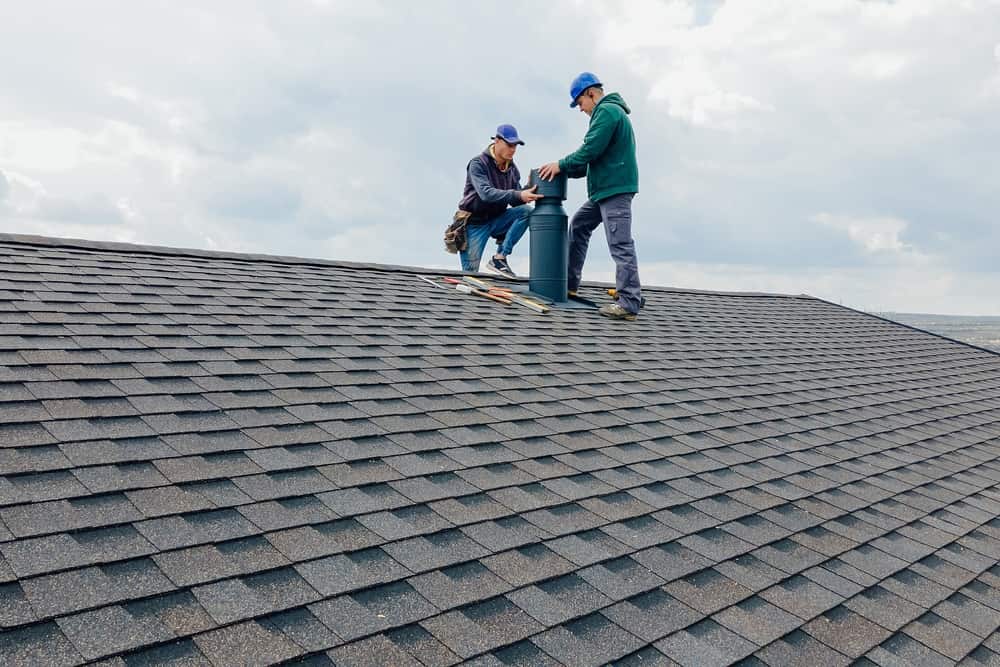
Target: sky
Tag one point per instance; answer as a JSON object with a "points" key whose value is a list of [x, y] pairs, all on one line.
{"points": [[846, 149]]}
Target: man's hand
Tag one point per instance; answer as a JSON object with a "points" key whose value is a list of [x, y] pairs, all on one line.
{"points": [[528, 196], [549, 171]]}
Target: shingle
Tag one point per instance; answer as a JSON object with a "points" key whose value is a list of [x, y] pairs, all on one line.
{"points": [[846, 631], [120, 476], [562, 519], [789, 556], [347, 572], [419, 643], [433, 487], [528, 564], [303, 628], [225, 464], [32, 459], [526, 497], [802, 597], [71, 591], [182, 653], [916, 588], [705, 644], [324, 539], [902, 649], [405, 522], [470, 509], [167, 500], [98, 428], [363, 499], [372, 652], [435, 551], [14, 606], [620, 578], [685, 519], [89, 512], [708, 591], [482, 627], [558, 600], [43, 644], [942, 636], [757, 620], [284, 483], [30, 557], [249, 643], [110, 630], [115, 451], [652, 615], [356, 473], [505, 533], [495, 475], [797, 649], [358, 614], [716, 545], [968, 614], [219, 492], [39, 486], [234, 599], [195, 528], [671, 561], [459, 585], [592, 640], [178, 612], [751, 572], [197, 564]]}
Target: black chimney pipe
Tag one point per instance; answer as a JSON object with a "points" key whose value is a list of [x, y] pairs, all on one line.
{"points": [[549, 248]]}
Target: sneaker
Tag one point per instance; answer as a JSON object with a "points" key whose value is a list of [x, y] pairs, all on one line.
{"points": [[571, 293], [616, 312], [500, 267]]}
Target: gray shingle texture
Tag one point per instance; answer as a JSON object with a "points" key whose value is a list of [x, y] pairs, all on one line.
{"points": [[209, 458]]}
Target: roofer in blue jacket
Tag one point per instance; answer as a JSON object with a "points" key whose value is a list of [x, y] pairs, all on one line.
{"points": [[492, 183], [607, 159]]}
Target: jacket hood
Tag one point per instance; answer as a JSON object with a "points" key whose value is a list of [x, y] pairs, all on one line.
{"points": [[615, 98]]}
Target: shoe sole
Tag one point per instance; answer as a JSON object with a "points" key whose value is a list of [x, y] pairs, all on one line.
{"points": [[627, 318], [497, 272]]}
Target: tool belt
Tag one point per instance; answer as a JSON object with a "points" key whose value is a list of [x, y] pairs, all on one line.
{"points": [[454, 237]]}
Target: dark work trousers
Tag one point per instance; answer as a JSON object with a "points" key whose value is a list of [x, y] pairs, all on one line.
{"points": [[616, 214]]}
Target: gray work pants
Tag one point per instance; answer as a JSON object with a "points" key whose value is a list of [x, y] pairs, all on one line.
{"points": [[616, 214]]}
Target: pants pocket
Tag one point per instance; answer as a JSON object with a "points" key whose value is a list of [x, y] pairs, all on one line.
{"points": [[619, 227]]}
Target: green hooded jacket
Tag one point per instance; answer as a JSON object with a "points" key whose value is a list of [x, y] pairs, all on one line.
{"points": [[607, 155]]}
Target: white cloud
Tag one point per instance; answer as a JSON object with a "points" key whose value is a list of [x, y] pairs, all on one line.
{"points": [[873, 234], [342, 129]]}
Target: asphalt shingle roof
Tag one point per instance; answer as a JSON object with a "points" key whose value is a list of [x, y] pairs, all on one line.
{"points": [[220, 459]]}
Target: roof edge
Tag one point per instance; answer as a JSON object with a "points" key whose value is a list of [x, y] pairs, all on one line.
{"points": [[122, 247], [911, 327]]}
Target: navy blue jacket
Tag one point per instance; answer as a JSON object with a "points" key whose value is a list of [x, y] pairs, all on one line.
{"points": [[489, 191]]}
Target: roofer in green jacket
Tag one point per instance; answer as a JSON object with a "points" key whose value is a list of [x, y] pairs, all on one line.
{"points": [[607, 159]]}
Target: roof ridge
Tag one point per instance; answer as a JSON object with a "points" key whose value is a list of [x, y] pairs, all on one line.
{"points": [[123, 247]]}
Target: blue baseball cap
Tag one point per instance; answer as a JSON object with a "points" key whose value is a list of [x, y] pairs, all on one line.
{"points": [[581, 83], [508, 133]]}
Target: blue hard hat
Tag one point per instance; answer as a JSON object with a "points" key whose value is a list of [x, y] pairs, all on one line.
{"points": [[509, 134], [581, 83]]}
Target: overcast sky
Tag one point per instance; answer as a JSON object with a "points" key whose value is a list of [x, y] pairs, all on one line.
{"points": [[846, 149]]}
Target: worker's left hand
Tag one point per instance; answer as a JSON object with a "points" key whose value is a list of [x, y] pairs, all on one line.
{"points": [[549, 171]]}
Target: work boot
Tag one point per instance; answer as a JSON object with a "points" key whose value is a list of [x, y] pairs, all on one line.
{"points": [[500, 267], [616, 312]]}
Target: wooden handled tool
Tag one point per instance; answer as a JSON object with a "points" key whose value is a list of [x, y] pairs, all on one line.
{"points": [[468, 289]]}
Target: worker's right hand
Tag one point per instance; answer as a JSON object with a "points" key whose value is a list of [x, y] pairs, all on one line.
{"points": [[528, 196]]}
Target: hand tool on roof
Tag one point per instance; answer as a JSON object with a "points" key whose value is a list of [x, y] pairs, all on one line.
{"points": [[476, 282], [528, 303], [428, 280], [468, 289]]}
